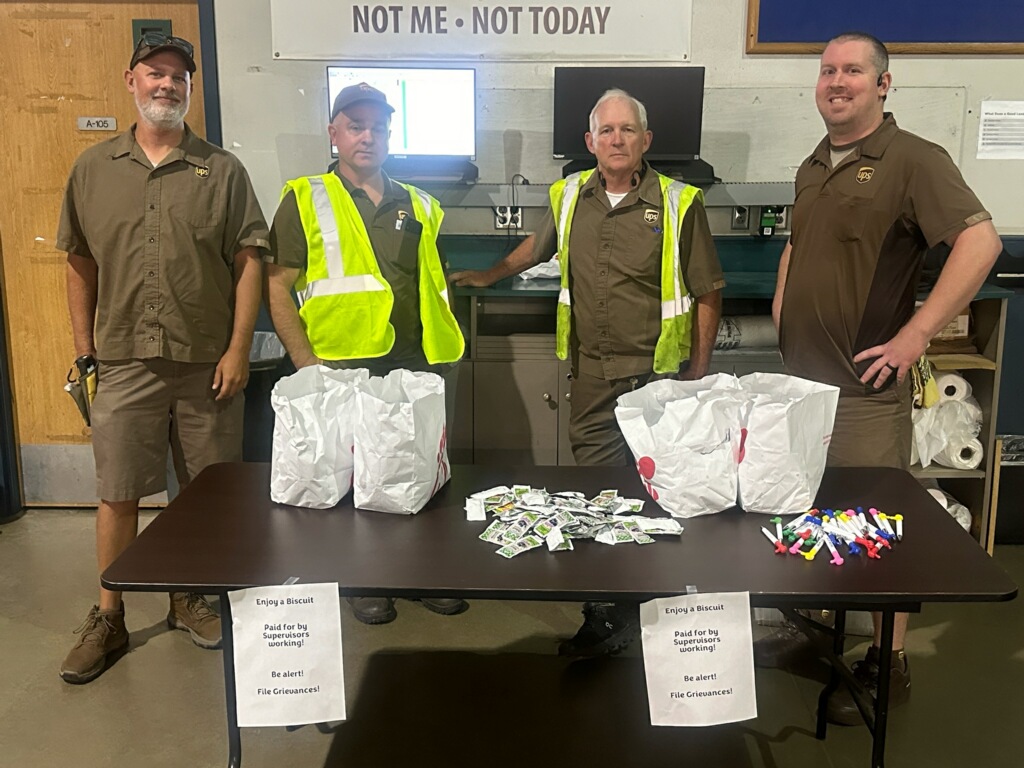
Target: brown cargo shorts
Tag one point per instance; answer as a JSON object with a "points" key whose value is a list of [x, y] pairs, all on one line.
{"points": [[873, 430], [141, 407]]}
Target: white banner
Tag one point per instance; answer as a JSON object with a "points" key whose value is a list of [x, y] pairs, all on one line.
{"points": [[287, 646], [654, 30], [698, 659]]}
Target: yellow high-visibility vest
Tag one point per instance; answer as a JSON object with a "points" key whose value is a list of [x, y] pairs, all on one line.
{"points": [[673, 345], [344, 301]]}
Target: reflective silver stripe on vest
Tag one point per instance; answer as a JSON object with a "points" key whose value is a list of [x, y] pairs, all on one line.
{"points": [[333, 286], [328, 228], [336, 281], [572, 185], [428, 211], [680, 304]]}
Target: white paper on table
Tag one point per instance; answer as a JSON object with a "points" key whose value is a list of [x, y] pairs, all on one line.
{"points": [[288, 668], [698, 659]]}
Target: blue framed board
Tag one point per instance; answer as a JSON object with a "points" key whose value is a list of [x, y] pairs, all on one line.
{"points": [[906, 26]]}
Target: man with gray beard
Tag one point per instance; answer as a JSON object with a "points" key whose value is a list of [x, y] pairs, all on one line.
{"points": [[163, 235]]}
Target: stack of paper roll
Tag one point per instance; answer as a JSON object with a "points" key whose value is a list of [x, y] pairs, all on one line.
{"points": [[952, 386], [947, 432]]}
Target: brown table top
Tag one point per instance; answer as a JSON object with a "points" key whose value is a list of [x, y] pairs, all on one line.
{"points": [[223, 532]]}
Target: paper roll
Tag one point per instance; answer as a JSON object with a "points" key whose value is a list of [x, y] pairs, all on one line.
{"points": [[966, 455], [952, 386], [939, 496], [747, 331]]}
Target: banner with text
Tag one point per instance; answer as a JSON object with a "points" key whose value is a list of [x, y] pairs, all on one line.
{"points": [[655, 30], [698, 659], [287, 645]]}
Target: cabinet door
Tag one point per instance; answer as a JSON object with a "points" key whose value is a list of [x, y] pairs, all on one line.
{"points": [[565, 457], [460, 442], [515, 407]]}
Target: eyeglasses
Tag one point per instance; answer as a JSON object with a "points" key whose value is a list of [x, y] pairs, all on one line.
{"points": [[153, 39]]}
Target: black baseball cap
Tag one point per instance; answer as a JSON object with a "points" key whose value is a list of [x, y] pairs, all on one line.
{"points": [[354, 94], [154, 42]]}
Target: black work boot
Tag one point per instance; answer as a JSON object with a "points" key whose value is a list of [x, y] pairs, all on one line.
{"points": [[842, 709], [373, 610], [607, 628]]}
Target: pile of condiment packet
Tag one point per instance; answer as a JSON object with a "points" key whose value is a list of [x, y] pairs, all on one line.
{"points": [[526, 518]]}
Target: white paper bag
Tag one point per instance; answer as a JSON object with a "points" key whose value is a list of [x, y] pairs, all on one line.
{"points": [[401, 459], [683, 435], [787, 433], [314, 411]]}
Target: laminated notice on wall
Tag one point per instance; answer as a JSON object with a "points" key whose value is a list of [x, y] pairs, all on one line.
{"points": [[698, 659], [287, 647]]}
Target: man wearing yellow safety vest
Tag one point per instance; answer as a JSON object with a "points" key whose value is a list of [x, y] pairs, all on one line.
{"points": [[640, 299], [360, 252]]}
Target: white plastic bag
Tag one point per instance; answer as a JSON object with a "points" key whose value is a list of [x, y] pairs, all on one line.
{"points": [[401, 457], [683, 435], [787, 433], [314, 412]]}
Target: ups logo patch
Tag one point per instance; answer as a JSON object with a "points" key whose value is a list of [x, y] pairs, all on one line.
{"points": [[202, 171], [651, 215], [864, 174]]}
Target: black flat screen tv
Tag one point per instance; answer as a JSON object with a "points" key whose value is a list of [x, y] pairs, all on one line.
{"points": [[673, 96]]}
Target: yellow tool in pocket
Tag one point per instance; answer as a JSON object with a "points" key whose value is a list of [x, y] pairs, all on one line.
{"points": [[83, 388]]}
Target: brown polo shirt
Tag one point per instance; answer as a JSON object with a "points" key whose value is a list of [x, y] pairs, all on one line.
{"points": [[860, 232], [164, 240], [615, 273], [395, 238]]}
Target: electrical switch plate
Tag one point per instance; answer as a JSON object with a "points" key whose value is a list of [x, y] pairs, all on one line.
{"points": [[508, 217]]}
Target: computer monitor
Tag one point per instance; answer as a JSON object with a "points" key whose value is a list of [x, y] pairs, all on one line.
{"points": [[673, 96], [435, 108]]}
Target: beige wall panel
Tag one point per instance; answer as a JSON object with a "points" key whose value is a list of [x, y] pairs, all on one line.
{"points": [[60, 61]]}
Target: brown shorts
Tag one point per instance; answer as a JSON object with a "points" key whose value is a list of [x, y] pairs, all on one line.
{"points": [[873, 430], [141, 407]]}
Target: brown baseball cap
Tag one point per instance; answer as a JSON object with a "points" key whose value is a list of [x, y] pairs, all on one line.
{"points": [[355, 94], [154, 42]]}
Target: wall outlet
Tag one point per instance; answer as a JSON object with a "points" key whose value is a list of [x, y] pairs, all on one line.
{"points": [[508, 217], [740, 218]]}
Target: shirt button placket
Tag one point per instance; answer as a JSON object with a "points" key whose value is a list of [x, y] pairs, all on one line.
{"points": [[151, 269]]}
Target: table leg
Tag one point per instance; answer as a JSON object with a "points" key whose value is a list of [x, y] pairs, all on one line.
{"points": [[228, 643], [882, 699], [838, 643]]}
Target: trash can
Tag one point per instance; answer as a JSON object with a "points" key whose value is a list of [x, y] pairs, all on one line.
{"points": [[266, 366]]}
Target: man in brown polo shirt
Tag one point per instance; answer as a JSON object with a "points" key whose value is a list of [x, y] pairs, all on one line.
{"points": [[615, 239], [870, 201], [400, 243], [162, 232]]}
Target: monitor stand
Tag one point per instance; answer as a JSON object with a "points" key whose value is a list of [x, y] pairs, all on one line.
{"points": [[696, 172], [431, 169]]}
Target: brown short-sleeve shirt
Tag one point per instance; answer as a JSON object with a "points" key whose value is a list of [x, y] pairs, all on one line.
{"points": [[615, 273], [395, 238], [164, 240], [860, 232]]}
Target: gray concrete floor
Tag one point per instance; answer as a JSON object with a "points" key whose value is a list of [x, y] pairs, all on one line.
{"points": [[483, 688]]}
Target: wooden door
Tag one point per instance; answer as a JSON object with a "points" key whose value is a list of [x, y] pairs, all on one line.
{"points": [[60, 61]]}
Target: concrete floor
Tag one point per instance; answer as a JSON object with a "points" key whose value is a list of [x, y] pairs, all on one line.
{"points": [[487, 692]]}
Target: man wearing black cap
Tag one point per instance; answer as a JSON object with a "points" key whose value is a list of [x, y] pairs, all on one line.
{"points": [[360, 251], [163, 234]]}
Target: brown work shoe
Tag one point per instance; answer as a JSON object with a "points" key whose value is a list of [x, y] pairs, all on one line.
{"points": [[192, 613], [842, 709], [103, 639]]}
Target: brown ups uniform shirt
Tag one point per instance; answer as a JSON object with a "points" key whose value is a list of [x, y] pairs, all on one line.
{"points": [[164, 240], [615, 273], [859, 235], [395, 238]]}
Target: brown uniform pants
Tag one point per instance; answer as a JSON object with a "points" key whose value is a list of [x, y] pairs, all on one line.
{"points": [[873, 430]]}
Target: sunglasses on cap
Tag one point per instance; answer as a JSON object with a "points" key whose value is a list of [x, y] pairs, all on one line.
{"points": [[152, 41]]}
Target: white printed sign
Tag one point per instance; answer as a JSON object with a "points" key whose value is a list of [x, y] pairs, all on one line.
{"points": [[655, 30], [287, 646], [698, 659]]}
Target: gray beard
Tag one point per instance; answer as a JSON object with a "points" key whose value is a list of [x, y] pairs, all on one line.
{"points": [[167, 116]]}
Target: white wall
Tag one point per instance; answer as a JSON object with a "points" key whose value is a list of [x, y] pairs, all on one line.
{"points": [[760, 119]]}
